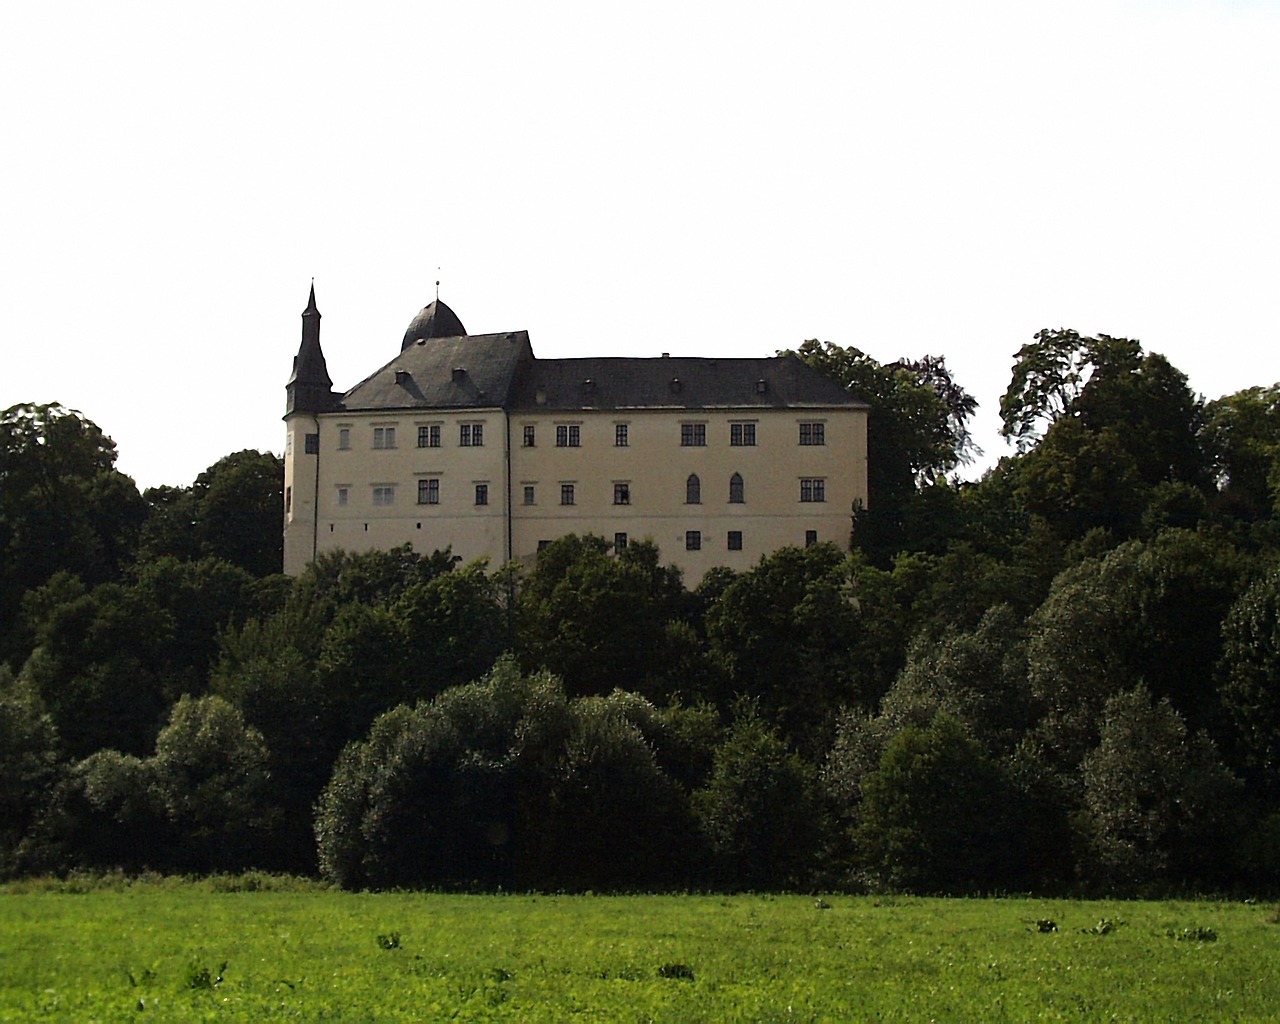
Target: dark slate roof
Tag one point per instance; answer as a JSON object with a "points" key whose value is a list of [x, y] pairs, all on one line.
{"points": [[677, 383], [435, 320], [446, 373]]}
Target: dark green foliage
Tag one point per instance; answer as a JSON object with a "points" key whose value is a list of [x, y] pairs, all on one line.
{"points": [[760, 810], [1159, 807], [938, 815], [28, 764], [1249, 677], [503, 782], [63, 507]]}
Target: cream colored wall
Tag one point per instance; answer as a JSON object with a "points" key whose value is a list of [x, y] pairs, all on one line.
{"points": [[653, 464], [656, 467]]}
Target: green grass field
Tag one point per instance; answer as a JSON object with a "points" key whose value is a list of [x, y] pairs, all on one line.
{"points": [[157, 952]]}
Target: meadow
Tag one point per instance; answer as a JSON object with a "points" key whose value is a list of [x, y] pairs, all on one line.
{"points": [[209, 950]]}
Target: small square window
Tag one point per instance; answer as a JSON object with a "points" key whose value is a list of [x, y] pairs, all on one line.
{"points": [[312, 444], [693, 435], [529, 494], [621, 435], [813, 433], [384, 494], [529, 435], [693, 540], [429, 436], [810, 538], [735, 540], [482, 494], [742, 435], [813, 489], [622, 494], [384, 437], [566, 494], [344, 439], [619, 542], [429, 491]]}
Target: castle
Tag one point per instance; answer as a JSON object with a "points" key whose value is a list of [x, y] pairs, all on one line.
{"points": [[471, 442]]}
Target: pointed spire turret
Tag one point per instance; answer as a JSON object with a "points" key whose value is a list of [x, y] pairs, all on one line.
{"points": [[310, 389]]}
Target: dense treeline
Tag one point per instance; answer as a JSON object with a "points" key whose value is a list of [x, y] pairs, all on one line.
{"points": [[1065, 676]]}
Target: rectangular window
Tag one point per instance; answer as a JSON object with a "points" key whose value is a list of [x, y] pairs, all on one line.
{"points": [[813, 489], [813, 433], [429, 436], [566, 494], [344, 439], [529, 435], [742, 435], [288, 498], [384, 437], [620, 435], [622, 494], [619, 542], [429, 491], [810, 538], [312, 444], [735, 540], [693, 435], [344, 495], [528, 494], [384, 494], [693, 540], [568, 435], [471, 435], [482, 494]]}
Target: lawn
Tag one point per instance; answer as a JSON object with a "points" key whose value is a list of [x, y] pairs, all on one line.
{"points": [[169, 951]]}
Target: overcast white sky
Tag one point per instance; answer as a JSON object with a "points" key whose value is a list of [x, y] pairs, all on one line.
{"points": [[620, 179]]}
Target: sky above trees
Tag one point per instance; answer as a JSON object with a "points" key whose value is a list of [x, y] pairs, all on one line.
{"points": [[694, 178]]}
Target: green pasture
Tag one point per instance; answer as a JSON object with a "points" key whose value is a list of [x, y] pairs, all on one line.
{"points": [[166, 951]]}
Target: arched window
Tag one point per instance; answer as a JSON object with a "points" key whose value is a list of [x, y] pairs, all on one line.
{"points": [[693, 490], [735, 489]]}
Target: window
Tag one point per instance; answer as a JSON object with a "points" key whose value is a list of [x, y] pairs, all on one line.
{"points": [[735, 540], [693, 490], [312, 444], [619, 542], [742, 435], [693, 540], [621, 432], [288, 498], [384, 494], [482, 494], [471, 435], [384, 437], [568, 435], [344, 495], [813, 489], [566, 494], [810, 538], [344, 439], [622, 494], [429, 491], [529, 434], [735, 489], [528, 494], [693, 435], [429, 436], [813, 433]]}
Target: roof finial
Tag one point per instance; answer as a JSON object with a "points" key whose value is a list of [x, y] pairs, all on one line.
{"points": [[437, 284]]}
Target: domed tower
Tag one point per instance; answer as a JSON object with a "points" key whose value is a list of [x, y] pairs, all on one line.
{"points": [[435, 320]]}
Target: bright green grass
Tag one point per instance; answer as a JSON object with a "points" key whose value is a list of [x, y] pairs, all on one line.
{"points": [[316, 956]]}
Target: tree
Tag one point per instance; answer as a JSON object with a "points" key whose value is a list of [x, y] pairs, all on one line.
{"points": [[917, 432], [1248, 675], [1159, 806], [63, 506], [1242, 433], [910, 835], [28, 764], [760, 810]]}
